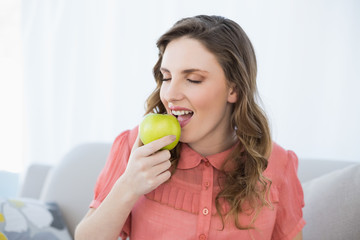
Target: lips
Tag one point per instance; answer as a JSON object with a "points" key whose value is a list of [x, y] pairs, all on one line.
{"points": [[183, 115]]}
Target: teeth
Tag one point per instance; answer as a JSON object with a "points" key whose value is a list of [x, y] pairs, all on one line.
{"points": [[178, 113]]}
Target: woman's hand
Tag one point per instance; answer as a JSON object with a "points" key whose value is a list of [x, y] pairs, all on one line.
{"points": [[148, 166]]}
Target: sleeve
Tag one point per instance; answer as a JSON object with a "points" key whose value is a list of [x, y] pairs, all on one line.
{"points": [[289, 218], [113, 169]]}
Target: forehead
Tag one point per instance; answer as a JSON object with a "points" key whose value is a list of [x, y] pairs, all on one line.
{"points": [[186, 53]]}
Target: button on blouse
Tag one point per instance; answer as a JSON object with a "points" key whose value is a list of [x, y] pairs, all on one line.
{"points": [[202, 237]]}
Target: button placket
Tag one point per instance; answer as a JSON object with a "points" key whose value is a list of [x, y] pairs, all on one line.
{"points": [[204, 216]]}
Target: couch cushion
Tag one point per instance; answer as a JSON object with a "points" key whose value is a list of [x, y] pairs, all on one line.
{"points": [[71, 183], [332, 205], [31, 219]]}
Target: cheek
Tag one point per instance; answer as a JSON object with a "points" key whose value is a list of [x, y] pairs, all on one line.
{"points": [[202, 101], [210, 100], [161, 93]]}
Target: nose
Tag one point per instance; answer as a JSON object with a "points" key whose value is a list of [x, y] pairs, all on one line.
{"points": [[172, 90]]}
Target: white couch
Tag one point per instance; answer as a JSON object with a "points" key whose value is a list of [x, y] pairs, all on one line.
{"points": [[331, 188]]}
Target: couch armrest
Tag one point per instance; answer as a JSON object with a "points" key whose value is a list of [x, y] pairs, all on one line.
{"points": [[71, 182], [33, 180]]}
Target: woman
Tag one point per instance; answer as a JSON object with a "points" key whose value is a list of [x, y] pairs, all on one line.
{"points": [[226, 179]]}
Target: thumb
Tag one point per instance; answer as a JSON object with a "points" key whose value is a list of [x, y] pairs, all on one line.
{"points": [[137, 143]]}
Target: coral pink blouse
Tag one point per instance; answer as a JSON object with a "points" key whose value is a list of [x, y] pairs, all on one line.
{"points": [[184, 207]]}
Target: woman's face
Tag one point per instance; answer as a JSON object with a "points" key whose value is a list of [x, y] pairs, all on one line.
{"points": [[195, 90]]}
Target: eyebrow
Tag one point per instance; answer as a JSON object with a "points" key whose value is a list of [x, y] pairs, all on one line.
{"points": [[186, 71]]}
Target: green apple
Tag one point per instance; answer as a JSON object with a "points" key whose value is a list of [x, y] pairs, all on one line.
{"points": [[155, 126]]}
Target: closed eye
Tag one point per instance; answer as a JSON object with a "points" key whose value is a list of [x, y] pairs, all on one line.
{"points": [[194, 81]]}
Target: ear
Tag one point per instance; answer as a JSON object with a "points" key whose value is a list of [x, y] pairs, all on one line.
{"points": [[232, 96]]}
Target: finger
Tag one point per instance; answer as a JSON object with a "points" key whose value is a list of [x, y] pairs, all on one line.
{"points": [[156, 145], [158, 157], [149, 162], [163, 177], [160, 168]]}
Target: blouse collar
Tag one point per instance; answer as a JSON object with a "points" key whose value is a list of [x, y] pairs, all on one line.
{"points": [[189, 158]]}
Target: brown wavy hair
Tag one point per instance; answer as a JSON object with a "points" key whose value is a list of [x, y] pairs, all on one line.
{"points": [[245, 184]]}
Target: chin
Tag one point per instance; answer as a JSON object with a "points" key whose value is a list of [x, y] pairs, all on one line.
{"points": [[184, 138]]}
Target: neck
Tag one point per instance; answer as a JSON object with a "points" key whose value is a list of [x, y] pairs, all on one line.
{"points": [[215, 145]]}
